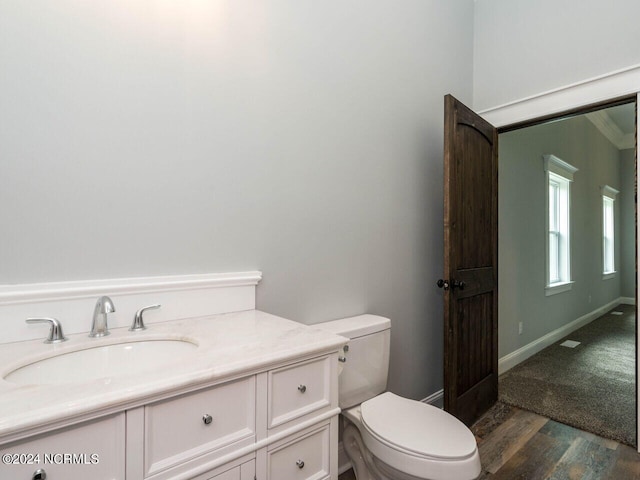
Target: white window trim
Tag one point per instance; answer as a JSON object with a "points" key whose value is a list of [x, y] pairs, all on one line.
{"points": [[557, 166], [611, 193], [558, 288]]}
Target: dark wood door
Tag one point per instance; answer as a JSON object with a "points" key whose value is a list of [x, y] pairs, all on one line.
{"points": [[470, 280]]}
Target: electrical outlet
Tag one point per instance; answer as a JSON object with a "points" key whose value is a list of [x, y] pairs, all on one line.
{"points": [[519, 328], [589, 298]]}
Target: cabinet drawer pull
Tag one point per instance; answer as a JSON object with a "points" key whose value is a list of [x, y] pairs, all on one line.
{"points": [[302, 388], [207, 419], [39, 474], [300, 464]]}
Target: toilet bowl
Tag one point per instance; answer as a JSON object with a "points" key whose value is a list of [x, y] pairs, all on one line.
{"points": [[388, 437], [410, 440]]}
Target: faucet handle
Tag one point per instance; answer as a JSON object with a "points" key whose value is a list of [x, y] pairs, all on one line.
{"points": [[55, 332], [138, 322]]}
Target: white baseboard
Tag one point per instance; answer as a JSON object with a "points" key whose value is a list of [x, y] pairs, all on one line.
{"points": [[181, 296], [514, 358], [435, 398], [628, 300]]}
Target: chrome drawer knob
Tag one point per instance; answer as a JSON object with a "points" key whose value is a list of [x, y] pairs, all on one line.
{"points": [[343, 358], [207, 419], [300, 464], [302, 389], [39, 474]]}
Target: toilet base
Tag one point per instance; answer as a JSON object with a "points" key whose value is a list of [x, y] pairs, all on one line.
{"points": [[362, 461], [366, 466]]}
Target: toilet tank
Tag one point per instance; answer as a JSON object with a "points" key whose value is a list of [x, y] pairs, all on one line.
{"points": [[364, 373]]}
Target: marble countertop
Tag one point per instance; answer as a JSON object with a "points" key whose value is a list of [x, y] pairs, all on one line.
{"points": [[229, 345]]}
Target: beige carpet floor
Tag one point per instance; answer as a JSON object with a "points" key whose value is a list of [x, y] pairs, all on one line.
{"points": [[591, 386]]}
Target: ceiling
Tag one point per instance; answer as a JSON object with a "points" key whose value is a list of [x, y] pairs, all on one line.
{"points": [[618, 124]]}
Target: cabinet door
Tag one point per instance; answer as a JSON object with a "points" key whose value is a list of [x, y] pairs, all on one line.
{"points": [[94, 449]]}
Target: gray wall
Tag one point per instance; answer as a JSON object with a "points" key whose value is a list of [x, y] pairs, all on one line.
{"points": [[522, 227], [627, 226], [526, 47], [301, 138]]}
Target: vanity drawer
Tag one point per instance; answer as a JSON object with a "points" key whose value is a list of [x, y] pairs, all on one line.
{"points": [[303, 458], [298, 389], [197, 424], [94, 449]]}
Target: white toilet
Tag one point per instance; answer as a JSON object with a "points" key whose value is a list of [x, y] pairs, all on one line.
{"points": [[388, 437]]}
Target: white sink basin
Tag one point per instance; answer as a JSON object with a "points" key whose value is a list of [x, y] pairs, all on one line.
{"points": [[102, 362]]}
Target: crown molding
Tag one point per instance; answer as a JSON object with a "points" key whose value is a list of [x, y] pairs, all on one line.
{"points": [[610, 130], [601, 88]]}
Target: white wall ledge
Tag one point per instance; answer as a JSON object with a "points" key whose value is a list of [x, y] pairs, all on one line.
{"points": [[181, 296], [38, 292]]}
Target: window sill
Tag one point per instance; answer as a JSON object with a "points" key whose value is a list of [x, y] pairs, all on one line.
{"points": [[608, 275], [556, 288]]}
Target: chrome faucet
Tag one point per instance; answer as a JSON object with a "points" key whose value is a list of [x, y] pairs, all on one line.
{"points": [[99, 327], [55, 330], [138, 322]]}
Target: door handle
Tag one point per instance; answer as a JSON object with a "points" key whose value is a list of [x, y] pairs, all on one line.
{"points": [[453, 285]]}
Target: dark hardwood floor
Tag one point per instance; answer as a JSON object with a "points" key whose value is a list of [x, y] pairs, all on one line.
{"points": [[348, 475], [516, 444]]}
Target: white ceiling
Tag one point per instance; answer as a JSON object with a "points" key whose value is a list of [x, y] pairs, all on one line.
{"points": [[618, 124], [623, 116]]}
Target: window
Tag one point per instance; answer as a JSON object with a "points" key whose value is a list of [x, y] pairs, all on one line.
{"points": [[608, 231], [559, 175], [555, 237]]}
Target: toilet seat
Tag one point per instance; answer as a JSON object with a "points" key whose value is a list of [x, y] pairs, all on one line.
{"points": [[417, 428], [414, 438]]}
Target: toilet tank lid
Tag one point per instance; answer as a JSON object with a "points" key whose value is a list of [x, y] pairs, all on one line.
{"points": [[358, 326]]}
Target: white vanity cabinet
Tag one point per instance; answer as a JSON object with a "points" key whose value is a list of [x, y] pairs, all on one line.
{"points": [[94, 449], [257, 400], [279, 424]]}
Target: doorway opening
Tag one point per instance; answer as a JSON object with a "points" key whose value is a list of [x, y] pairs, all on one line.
{"points": [[575, 282]]}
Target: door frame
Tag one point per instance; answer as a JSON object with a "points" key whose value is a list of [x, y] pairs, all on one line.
{"points": [[620, 85]]}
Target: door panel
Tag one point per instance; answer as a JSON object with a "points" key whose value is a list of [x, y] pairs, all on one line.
{"points": [[470, 262], [475, 362]]}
